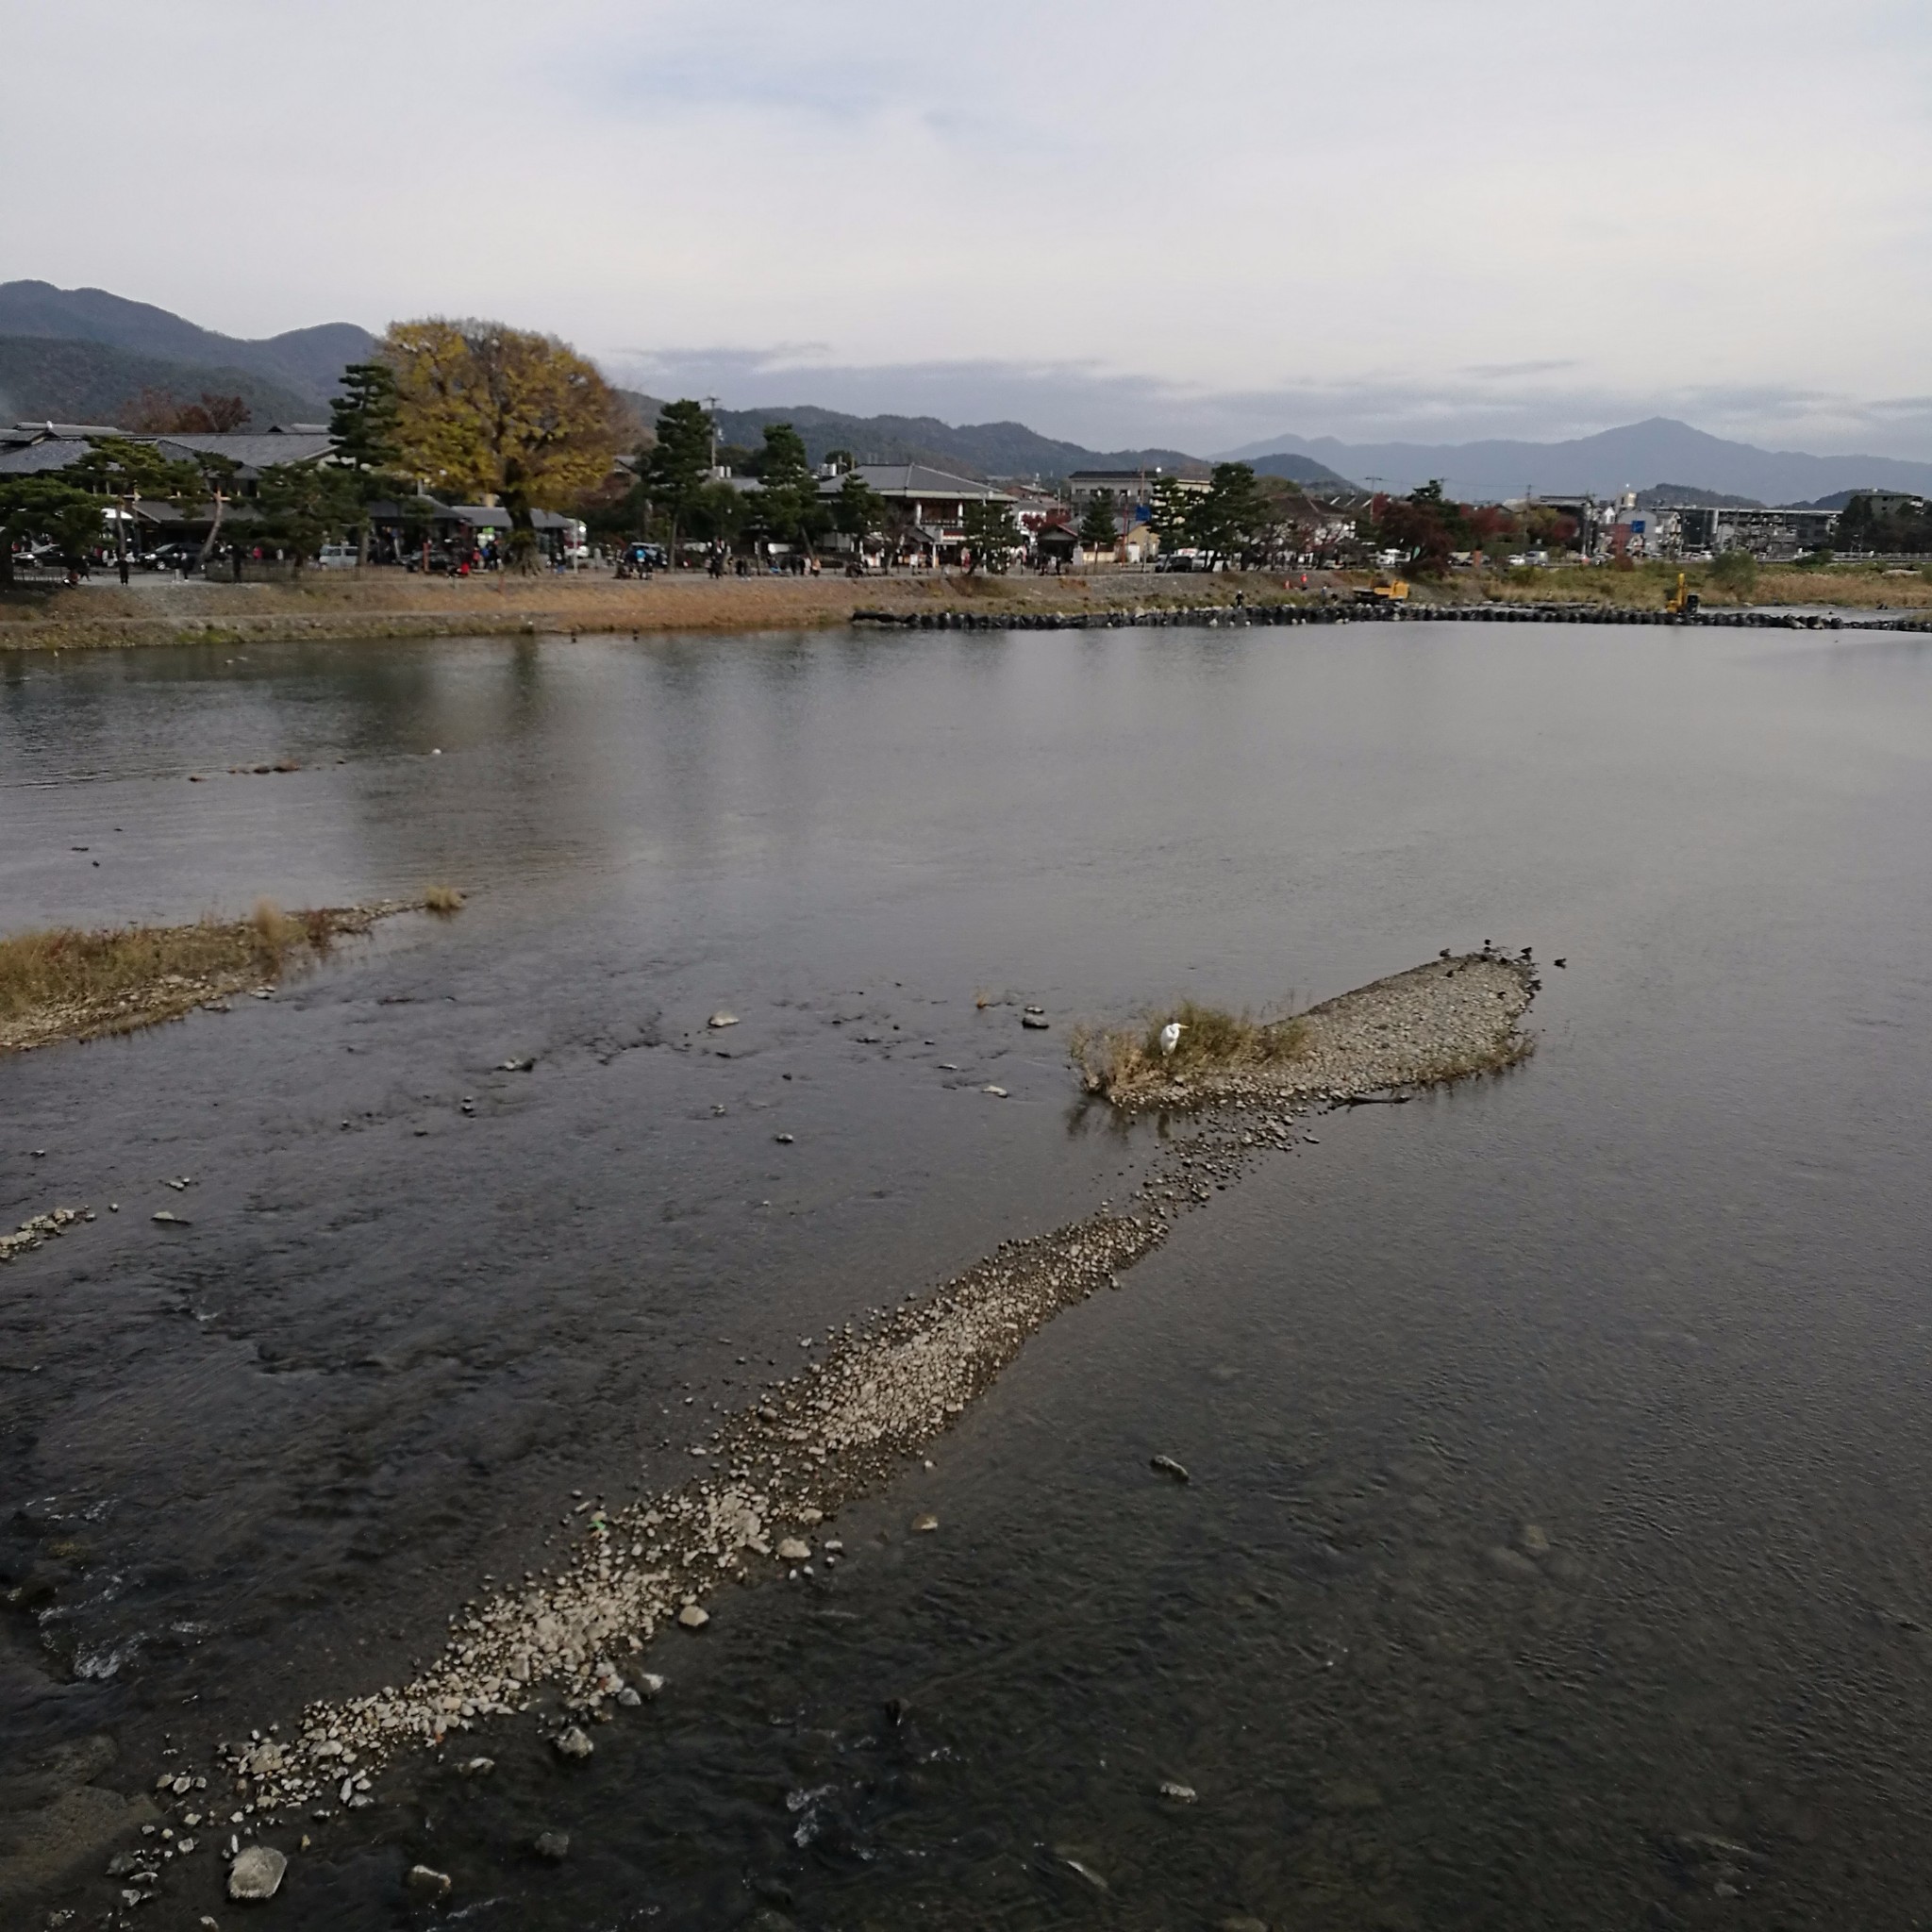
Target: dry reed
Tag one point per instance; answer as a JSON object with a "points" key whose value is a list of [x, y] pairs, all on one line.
{"points": [[1118, 1062], [65, 984]]}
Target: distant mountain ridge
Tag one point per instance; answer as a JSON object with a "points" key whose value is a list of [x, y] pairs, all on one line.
{"points": [[973, 449], [45, 380], [80, 355], [1629, 457], [303, 362]]}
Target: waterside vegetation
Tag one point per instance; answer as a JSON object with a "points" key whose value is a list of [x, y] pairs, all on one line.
{"points": [[1121, 1063], [66, 984]]}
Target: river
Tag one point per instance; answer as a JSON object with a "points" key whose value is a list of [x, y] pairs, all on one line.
{"points": [[1558, 1547]]}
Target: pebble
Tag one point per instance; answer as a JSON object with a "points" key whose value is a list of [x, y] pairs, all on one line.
{"points": [[425, 1883], [694, 1617], [793, 1551], [572, 1744], [1166, 1465], [476, 1767], [927, 1523], [256, 1873], [720, 1020], [40, 1228], [554, 1845], [998, 1092], [1180, 1793]]}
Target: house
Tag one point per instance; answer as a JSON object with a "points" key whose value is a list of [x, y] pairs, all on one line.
{"points": [[1131, 489], [1772, 535], [926, 508]]}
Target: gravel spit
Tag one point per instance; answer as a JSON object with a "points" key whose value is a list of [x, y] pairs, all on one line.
{"points": [[847, 1425]]}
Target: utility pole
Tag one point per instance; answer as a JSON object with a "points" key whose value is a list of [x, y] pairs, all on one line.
{"points": [[121, 536], [712, 417]]}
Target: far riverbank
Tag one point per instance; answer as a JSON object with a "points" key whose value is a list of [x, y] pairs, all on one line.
{"points": [[389, 604]]}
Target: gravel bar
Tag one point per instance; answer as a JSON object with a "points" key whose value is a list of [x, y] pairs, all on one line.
{"points": [[770, 1478]]}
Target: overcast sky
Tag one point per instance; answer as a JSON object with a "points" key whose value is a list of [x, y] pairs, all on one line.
{"points": [[1122, 223]]}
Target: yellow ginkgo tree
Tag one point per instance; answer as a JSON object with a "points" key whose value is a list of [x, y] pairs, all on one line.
{"points": [[487, 411]]}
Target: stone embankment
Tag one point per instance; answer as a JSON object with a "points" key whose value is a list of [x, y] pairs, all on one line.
{"points": [[770, 1479], [1211, 615]]}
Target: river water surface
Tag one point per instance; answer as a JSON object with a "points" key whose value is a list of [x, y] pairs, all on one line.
{"points": [[1558, 1550]]}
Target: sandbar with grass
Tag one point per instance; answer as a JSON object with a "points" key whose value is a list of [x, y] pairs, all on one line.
{"points": [[1442, 1021], [63, 984]]}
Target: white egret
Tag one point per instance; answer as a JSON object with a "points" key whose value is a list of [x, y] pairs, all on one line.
{"points": [[1170, 1036]]}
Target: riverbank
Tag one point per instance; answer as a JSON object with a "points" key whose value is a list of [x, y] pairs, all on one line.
{"points": [[392, 605]]}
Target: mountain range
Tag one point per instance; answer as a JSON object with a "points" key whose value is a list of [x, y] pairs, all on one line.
{"points": [[304, 362], [83, 354], [1631, 458]]}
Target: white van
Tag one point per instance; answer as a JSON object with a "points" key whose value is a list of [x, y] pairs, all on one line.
{"points": [[337, 556]]}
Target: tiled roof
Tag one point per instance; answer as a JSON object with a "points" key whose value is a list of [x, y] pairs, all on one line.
{"points": [[917, 480]]}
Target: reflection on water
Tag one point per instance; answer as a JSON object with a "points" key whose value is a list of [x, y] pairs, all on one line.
{"points": [[1557, 1548]]}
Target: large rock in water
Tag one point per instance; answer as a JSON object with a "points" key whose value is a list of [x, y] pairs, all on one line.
{"points": [[256, 1873]]}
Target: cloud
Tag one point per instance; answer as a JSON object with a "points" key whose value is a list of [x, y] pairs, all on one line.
{"points": [[1103, 409], [1278, 213]]}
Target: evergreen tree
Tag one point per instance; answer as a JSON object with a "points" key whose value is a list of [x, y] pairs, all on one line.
{"points": [[362, 419], [303, 505], [858, 507], [679, 464], [788, 502], [1099, 526], [990, 535], [1230, 518]]}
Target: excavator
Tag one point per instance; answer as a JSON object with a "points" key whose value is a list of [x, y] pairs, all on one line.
{"points": [[1384, 589], [1682, 602]]}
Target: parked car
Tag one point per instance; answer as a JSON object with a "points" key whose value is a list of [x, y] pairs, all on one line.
{"points": [[181, 557], [337, 556]]}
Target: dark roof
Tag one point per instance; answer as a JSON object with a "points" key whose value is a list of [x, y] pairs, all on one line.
{"points": [[255, 452], [37, 459], [917, 480]]}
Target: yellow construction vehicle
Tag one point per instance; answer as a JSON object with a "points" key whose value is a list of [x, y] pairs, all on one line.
{"points": [[1682, 602], [1384, 591]]}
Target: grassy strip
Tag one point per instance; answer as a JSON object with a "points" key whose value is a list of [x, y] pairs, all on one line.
{"points": [[1122, 1063], [65, 984]]}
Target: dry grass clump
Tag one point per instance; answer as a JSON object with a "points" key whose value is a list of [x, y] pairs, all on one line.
{"points": [[70, 985], [1120, 1062], [443, 899]]}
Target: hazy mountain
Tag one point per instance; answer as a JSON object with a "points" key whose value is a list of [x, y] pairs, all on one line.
{"points": [[304, 362], [1659, 494], [976, 449], [1298, 470], [43, 380], [1612, 461]]}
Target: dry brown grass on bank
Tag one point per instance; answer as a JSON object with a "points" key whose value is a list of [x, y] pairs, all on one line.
{"points": [[70, 985], [393, 604], [1846, 587], [1118, 1063], [444, 900]]}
